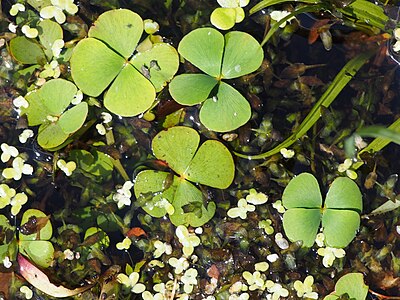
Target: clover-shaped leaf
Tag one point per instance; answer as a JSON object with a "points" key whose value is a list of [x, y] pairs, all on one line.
{"points": [[47, 108], [220, 57], [340, 214], [104, 60], [161, 192], [29, 51], [36, 230]]}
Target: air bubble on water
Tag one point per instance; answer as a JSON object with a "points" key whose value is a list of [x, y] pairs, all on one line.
{"points": [[215, 98]]}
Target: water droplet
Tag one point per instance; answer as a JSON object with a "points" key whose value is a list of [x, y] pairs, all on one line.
{"points": [[238, 68], [235, 114], [209, 33], [215, 98]]}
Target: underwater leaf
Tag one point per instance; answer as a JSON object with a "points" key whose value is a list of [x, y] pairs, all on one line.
{"points": [[41, 252], [302, 191], [344, 194], [161, 61], [223, 18], [119, 29], [44, 233], [203, 47], [27, 51], [176, 146], [6, 236], [301, 224], [199, 85], [154, 190], [242, 55], [340, 227], [206, 166], [89, 61], [226, 111], [130, 94], [51, 135], [73, 118], [351, 284], [49, 31], [56, 95], [188, 195], [95, 163]]}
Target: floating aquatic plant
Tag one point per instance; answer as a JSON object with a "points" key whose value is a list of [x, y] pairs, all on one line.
{"points": [[210, 164], [220, 57], [106, 60], [340, 213]]}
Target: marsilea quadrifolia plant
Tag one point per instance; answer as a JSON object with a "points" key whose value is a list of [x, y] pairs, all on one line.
{"points": [[106, 60]]}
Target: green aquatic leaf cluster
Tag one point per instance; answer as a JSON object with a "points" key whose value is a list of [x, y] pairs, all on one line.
{"points": [[219, 57], [51, 108], [352, 285], [339, 215], [162, 192], [105, 60]]}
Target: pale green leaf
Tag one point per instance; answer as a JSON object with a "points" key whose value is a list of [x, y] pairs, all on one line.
{"points": [[242, 55], [203, 47], [40, 252], [49, 31], [176, 146], [344, 194], [223, 18], [301, 224], [119, 29], [130, 94], [89, 61], [198, 85], [27, 51], [51, 135], [206, 166], [45, 233], [302, 191], [56, 95], [226, 111], [340, 227], [73, 118]]}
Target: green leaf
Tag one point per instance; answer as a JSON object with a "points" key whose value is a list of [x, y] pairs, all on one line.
{"points": [[302, 224], [227, 111], [40, 252], [89, 61], [51, 135], [352, 284], [27, 51], [49, 31], [119, 29], [206, 169], [162, 62], [73, 118], [242, 55], [151, 190], [223, 18], [44, 234], [102, 241], [340, 227], [302, 191], [176, 146], [199, 85], [203, 47], [37, 111], [130, 94], [344, 194], [385, 207], [6, 237], [186, 195], [96, 163], [56, 95]]}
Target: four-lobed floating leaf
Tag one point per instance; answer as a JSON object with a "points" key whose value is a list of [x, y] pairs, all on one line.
{"points": [[48, 107], [210, 164], [105, 60], [340, 213], [220, 57]]}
